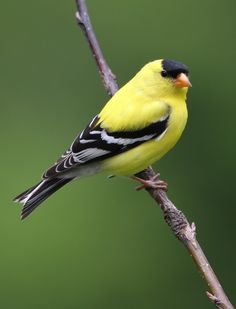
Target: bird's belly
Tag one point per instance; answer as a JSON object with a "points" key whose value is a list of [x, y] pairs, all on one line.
{"points": [[140, 157]]}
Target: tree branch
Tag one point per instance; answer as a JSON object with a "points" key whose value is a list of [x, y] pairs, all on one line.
{"points": [[175, 218], [108, 78]]}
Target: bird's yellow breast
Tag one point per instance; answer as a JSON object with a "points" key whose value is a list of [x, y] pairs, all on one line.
{"points": [[140, 157]]}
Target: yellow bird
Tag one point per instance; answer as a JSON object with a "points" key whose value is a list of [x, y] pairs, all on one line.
{"points": [[136, 127]]}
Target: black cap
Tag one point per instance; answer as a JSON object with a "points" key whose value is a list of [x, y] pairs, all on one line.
{"points": [[174, 68]]}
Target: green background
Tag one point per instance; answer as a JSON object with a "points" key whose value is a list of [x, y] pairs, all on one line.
{"points": [[97, 243]]}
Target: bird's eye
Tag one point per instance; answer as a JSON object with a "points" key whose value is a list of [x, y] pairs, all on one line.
{"points": [[164, 73]]}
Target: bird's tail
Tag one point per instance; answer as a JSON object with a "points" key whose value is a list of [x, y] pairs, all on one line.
{"points": [[34, 196]]}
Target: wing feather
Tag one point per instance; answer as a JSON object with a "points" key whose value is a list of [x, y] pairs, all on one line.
{"points": [[95, 143]]}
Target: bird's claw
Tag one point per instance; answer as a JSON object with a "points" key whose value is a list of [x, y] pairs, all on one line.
{"points": [[152, 183]]}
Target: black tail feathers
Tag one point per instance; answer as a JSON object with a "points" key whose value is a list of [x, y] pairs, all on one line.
{"points": [[34, 196]]}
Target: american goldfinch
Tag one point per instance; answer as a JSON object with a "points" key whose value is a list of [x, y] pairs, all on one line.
{"points": [[136, 127]]}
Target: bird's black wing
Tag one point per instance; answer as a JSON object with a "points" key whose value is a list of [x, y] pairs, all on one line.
{"points": [[96, 143]]}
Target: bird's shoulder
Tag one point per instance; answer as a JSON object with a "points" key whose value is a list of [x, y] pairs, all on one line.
{"points": [[132, 112]]}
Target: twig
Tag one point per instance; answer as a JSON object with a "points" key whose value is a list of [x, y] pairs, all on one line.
{"points": [[108, 78], [175, 218], [186, 233]]}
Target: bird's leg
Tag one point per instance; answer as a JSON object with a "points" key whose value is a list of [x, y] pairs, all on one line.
{"points": [[153, 183]]}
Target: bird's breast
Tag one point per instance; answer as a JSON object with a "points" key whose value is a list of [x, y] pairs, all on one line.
{"points": [[140, 157]]}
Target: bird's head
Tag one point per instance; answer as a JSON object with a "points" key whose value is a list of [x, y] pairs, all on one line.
{"points": [[166, 77], [176, 73]]}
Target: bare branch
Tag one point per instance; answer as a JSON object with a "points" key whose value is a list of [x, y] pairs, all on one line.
{"points": [[108, 78], [175, 218], [215, 300]]}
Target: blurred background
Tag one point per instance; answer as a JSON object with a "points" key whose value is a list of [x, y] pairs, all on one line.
{"points": [[97, 243]]}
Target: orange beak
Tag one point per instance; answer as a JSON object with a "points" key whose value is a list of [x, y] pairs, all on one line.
{"points": [[182, 81]]}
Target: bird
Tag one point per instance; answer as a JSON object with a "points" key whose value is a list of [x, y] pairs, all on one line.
{"points": [[137, 126]]}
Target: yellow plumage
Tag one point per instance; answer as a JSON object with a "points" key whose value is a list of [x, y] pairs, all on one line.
{"points": [[142, 122], [143, 100]]}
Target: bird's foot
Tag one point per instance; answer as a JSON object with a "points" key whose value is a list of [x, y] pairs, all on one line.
{"points": [[153, 183]]}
